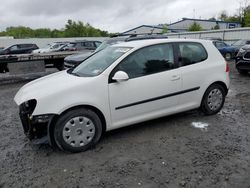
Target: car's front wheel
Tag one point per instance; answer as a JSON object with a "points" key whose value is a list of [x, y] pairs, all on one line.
{"points": [[213, 99], [77, 130]]}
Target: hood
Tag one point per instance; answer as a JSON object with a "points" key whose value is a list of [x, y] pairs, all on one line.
{"points": [[78, 57], [48, 85], [246, 47]]}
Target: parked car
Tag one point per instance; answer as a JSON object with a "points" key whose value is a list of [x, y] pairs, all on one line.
{"points": [[53, 47], [76, 59], [121, 85], [18, 49], [83, 45], [242, 63], [240, 43], [227, 51]]}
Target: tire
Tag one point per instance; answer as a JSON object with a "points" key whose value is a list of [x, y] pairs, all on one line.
{"points": [[228, 56], [213, 99], [77, 130], [243, 72]]}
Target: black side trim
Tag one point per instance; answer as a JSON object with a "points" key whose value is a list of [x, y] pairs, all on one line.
{"points": [[157, 98]]}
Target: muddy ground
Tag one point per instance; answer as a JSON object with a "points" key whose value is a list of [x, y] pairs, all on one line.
{"points": [[167, 152]]}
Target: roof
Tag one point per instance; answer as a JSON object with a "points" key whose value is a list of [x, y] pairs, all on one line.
{"points": [[202, 20], [142, 43], [150, 26]]}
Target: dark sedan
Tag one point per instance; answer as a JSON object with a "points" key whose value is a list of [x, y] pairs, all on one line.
{"points": [[226, 50], [19, 49], [242, 63]]}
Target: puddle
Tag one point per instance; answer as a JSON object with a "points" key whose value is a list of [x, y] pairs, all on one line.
{"points": [[200, 125]]}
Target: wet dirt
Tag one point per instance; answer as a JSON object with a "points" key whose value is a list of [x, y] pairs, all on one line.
{"points": [[167, 152]]}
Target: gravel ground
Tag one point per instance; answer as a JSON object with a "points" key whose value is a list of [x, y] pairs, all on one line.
{"points": [[167, 152]]}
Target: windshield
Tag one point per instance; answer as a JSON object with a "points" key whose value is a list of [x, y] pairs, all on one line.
{"points": [[239, 43], [97, 63]]}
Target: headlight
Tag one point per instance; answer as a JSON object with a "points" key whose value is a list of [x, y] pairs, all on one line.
{"points": [[29, 106], [242, 50]]}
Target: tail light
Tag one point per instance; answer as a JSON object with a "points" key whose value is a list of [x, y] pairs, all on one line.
{"points": [[227, 67]]}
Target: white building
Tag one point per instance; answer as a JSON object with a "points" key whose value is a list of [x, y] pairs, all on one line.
{"points": [[184, 24]]}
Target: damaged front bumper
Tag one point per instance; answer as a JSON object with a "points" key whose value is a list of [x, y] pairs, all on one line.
{"points": [[35, 127]]}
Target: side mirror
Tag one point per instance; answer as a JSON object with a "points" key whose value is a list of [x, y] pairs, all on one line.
{"points": [[120, 76]]}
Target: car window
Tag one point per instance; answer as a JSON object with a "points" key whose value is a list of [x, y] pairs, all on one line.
{"points": [[239, 43], [148, 60], [220, 44], [97, 44], [15, 47], [55, 46], [248, 42], [24, 45], [191, 53], [89, 44]]}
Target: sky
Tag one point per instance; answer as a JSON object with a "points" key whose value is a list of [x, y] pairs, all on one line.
{"points": [[109, 15]]}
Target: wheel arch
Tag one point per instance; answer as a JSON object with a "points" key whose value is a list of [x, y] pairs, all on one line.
{"points": [[55, 118], [219, 83]]}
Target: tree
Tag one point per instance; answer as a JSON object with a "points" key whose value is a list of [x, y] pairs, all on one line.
{"points": [[246, 17], [195, 27], [223, 15], [212, 19], [164, 29], [216, 27]]}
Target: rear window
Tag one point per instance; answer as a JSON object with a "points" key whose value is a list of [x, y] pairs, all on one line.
{"points": [[191, 53]]}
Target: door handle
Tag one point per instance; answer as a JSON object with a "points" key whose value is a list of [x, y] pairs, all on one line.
{"points": [[175, 77]]}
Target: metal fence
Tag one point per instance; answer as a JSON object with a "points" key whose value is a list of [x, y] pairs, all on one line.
{"points": [[229, 35]]}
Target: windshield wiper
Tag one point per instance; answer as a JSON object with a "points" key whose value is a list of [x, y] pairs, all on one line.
{"points": [[75, 74]]}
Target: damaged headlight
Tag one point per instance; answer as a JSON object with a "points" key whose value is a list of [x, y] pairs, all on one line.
{"points": [[28, 107]]}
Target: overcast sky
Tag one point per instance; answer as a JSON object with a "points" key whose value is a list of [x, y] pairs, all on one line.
{"points": [[109, 15]]}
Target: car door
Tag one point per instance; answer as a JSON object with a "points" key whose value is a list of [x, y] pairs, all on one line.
{"points": [[194, 72], [152, 89]]}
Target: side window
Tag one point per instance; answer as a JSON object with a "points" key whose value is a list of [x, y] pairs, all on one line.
{"points": [[89, 44], [15, 47], [248, 42], [191, 53], [220, 44], [148, 60], [97, 44]]}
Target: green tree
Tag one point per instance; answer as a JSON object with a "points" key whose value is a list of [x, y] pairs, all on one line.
{"points": [[223, 15], [195, 27], [246, 17], [164, 29], [216, 27]]}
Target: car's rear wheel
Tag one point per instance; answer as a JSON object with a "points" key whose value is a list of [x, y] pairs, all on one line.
{"points": [[228, 56], [213, 99], [77, 130], [243, 72]]}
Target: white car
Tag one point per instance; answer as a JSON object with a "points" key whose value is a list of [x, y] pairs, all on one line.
{"points": [[122, 85], [54, 47]]}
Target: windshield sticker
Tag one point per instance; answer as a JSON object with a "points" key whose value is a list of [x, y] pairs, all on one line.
{"points": [[122, 50], [96, 71]]}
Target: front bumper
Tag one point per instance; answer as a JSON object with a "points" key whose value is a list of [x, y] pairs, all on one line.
{"points": [[242, 63], [35, 127]]}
